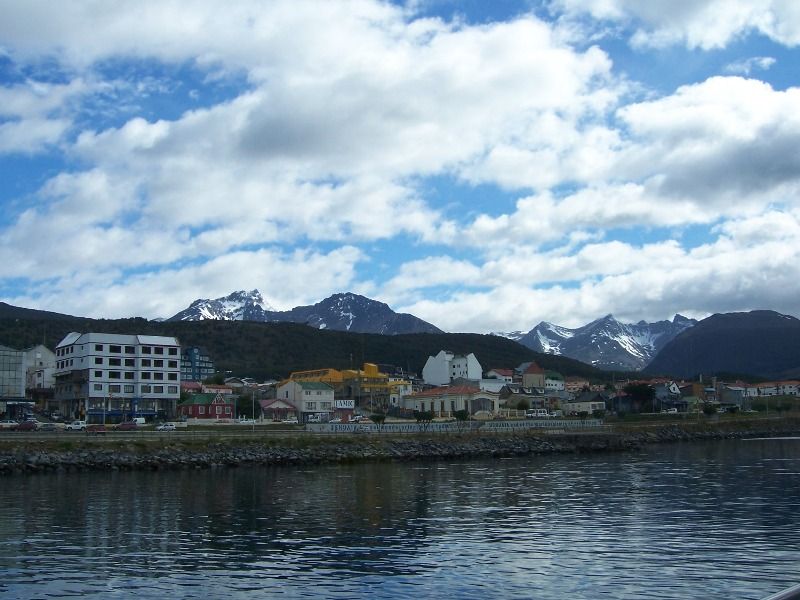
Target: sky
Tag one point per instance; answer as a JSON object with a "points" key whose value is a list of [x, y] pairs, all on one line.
{"points": [[482, 165]]}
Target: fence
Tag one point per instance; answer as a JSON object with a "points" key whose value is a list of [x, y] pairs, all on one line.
{"points": [[456, 426]]}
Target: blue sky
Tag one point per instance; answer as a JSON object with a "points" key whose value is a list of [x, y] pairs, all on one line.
{"points": [[482, 165]]}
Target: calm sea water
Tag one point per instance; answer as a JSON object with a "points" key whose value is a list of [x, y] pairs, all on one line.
{"points": [[695, 520]]}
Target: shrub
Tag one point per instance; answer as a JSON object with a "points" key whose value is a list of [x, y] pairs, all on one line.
{"points": [[709, 409]]}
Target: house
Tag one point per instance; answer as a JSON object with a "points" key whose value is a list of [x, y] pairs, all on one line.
{"points": [[533, 376], [504, 375], [277, 410], [446, 366], [587, 402], [207, 406], [446, 400], [116, 376], [307, 397]]}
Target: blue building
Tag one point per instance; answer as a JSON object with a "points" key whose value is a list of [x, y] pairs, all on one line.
{"points": [[196, 364]]}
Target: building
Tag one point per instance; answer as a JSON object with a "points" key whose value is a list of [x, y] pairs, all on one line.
{"points": [[12, 382], [308, 397], [207, 406], [103, 376], [196, 364], [446, 366], [446, 400], [504, 375], [533, 377]]}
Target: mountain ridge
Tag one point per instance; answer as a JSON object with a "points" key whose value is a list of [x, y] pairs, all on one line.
{"points": [[339, 312], [606, 343]]}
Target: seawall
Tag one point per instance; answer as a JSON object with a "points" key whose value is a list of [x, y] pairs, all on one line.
{"points": [[75, 455]]}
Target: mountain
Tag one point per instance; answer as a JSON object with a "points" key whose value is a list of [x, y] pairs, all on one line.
{"points": [[340, 312], [238, 306], [607, 343], [273, 350], [761, 343]]}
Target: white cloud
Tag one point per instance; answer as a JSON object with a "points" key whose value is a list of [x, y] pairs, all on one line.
{"points": [[704, 24], [745, 66]]}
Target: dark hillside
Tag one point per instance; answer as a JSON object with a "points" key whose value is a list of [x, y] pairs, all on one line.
{"points": [[264, 350], [760, 343]]}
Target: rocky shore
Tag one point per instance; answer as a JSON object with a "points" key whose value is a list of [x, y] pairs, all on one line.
{"points": [[121, 456]]}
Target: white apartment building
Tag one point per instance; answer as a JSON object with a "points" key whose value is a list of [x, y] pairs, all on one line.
{"points": [[105, 376], [308, 397], [446, 366]]}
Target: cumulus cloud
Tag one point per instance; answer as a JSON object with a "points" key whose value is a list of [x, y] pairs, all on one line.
{"points": [[754, 63], [706, 25]]}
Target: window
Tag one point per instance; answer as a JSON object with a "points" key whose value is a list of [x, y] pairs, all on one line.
{"points": [[98, 360], [128, 375], [159, 350], [130, 350], [201, 410], [147, 350], [173, 364], [146, 375], [158, 389], [146, 362], [172, 389], [172, 376], [158, 363], [128, 389], [98, 387], [98, 347], [98, 373], [115, 349], [325, 405], [113, 389], [219, 410], [158, 376], [129, 362], [146, 389], [173, 352], [113, 375], [227, 410], [311, 405], [115, 362]]}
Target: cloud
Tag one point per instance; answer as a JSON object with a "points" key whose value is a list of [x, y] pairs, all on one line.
{"points": [[753, 262], [745, 66], [706, 25]]}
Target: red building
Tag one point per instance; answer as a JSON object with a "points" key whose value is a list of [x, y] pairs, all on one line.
{"points": [[207, 406]]}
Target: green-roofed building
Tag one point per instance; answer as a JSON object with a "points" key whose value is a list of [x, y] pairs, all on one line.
{"points": [[207, 406]]}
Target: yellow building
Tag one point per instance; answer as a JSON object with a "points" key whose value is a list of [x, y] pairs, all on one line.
{"points": [[330, 376]]}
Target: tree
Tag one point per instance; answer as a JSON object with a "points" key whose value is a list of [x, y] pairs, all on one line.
{"points": [[641, 394], [462, 416], [378, 419]]}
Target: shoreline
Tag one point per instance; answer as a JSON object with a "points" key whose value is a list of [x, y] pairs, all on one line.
{"points": [[54, 456]]}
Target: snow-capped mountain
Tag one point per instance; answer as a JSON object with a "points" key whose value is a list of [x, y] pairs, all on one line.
{"points": [[340, 312], [607, 343], [238, 306]]}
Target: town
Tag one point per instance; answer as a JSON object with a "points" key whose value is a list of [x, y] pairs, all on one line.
{"points": [[98, 379]]}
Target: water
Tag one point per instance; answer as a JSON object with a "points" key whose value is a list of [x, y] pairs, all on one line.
{"points": [[673, 521]]}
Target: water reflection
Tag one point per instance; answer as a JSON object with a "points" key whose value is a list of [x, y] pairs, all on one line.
{"points": [[695, 520]]}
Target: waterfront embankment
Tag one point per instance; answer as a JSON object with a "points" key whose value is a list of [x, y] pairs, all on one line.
{"points": [[20, 457]]}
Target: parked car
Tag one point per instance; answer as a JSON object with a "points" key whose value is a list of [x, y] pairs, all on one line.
{"points": [[291, 420], [356, 418], [27, 426], [166, 427], [670, 411], [537, 413], [76, 426], [48, 427], [335, 420], [96, 429], [315, 418], [126, 426], [8, 424]]}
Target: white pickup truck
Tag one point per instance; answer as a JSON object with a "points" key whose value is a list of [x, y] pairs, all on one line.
{"points": [[75, 426]]}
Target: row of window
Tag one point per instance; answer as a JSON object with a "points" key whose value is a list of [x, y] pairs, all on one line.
{"points": [[116, 349], [129, 389], [127, 362], [156, 375]]}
